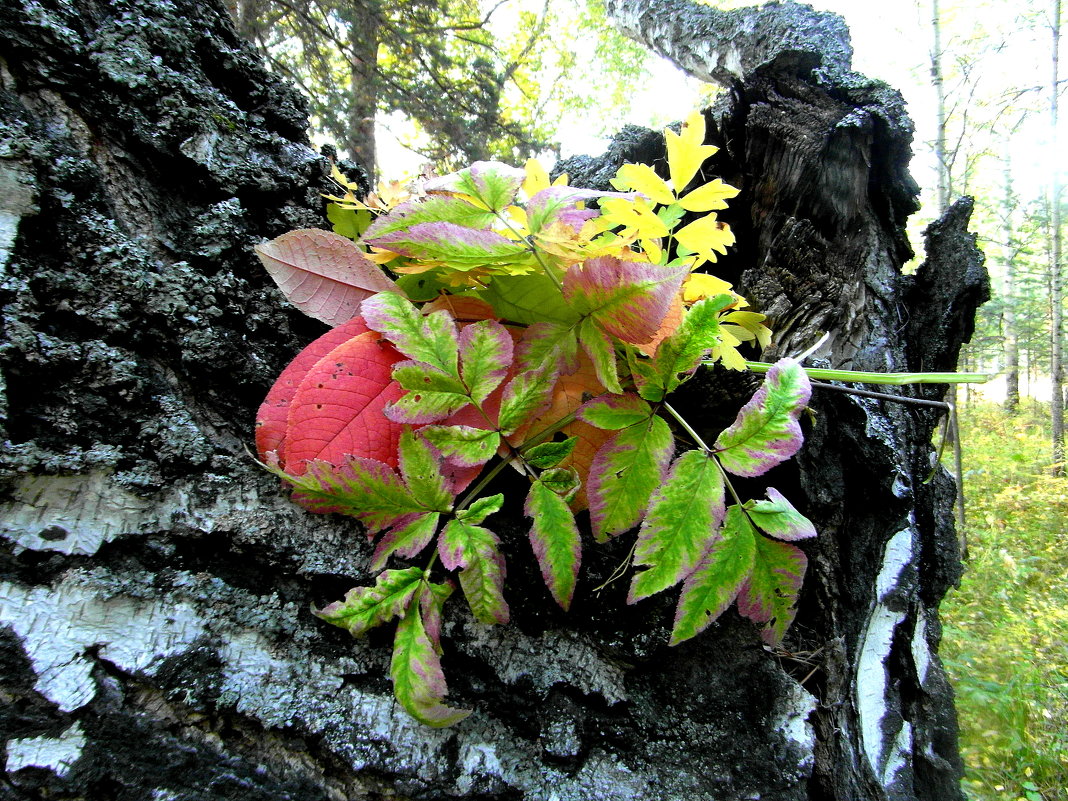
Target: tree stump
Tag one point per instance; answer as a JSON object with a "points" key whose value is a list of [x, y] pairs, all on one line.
{"points": [[155, 586]]}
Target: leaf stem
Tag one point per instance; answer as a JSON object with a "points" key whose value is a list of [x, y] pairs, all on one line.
{"points": [[687, 428], [891, 379]]}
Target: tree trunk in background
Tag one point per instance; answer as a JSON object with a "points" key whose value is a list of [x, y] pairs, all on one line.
{"points": [[363, 63], [1010, 250], [155, 586], [1056, 278]]}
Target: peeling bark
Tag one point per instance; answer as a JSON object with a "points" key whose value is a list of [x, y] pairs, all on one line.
{"points": [[156, 639]]}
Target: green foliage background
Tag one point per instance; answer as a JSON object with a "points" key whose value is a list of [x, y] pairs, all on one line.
{"points": [[1005, 638]]}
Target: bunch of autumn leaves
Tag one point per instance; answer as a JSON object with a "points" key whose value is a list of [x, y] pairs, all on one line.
{"points": [[527, 312]]}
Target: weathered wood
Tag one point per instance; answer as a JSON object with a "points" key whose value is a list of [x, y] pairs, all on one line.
{"points": [[156, 638]]}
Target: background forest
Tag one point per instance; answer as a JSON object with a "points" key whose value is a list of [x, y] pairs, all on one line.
{"points": [[405, 85]]}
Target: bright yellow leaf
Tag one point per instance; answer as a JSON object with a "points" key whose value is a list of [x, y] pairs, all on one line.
{"points": [[702, 285], [635, 216], [710, 197], [642, 178], [706, 236], [537, 178], [686, 153]]}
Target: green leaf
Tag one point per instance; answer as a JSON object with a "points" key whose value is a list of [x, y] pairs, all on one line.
{"points": [[485, 354], [777, 518], [363, 488], [613, 412], [432, 339], [549, 454], [481, 509], [564, 481], [432, 604], [682, 522], [473, 551], [529, 299], [348, 222], [601, 350], [678, 356], [420, 468], [464, 446], [555, 540], [421, 403], [718, 579], [769, 596], [524, 396], [405, 541], [624, 473], [549, 344], [457, 247], [418, 681], [435, 208], [493, 183], [766, 432], [367, 607], [420, 287]]}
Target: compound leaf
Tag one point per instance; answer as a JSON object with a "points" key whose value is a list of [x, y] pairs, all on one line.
{"points": [[435, 208], [418, 681], [323, 274], [473, 551], [555, 540], [367, 607], [431, 394], [766, 431], [769, 596], [719, 577], [683, 520], [624, 473], [777, 518]]}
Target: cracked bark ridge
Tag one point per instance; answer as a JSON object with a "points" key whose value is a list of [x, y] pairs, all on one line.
{"points": [[155, 632], [726, 46]]}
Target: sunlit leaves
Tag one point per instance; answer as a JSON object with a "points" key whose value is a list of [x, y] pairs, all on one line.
{"points": [[766, 432], [686, 150]]}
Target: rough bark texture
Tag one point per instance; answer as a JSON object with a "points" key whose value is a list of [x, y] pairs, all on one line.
{"points": [[155, 633]]}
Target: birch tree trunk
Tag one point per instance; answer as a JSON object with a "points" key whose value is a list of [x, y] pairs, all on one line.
{"points": [[155, 587]]}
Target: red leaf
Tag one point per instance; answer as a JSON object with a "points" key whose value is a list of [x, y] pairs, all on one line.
{"points": [[337, 409], [273, 414], [323, 274]]}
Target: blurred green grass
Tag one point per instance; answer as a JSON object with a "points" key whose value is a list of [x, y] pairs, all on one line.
{"points": [[1005, 640]]}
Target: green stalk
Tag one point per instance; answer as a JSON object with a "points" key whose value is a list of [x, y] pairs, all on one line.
{"points": [[892, 379]]}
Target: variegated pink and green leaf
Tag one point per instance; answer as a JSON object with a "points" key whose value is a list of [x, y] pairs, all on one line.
{"points": [[682, 523], [435, 208], [405, 540], [624, 474], [474, 551], [613, 412], [463, 446], [525, 396], [555, 539], [482, 508], [432, 339], [769, 596], [491, 183], [457, 247], [549, 454], [418, 681], [777, 518], [486, 351], [627, 299], [766, 432], [600, 348], [366, 607], [718, 579]]}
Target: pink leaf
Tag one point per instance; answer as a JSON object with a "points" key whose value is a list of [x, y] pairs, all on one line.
{"points": [[323, 274]]}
